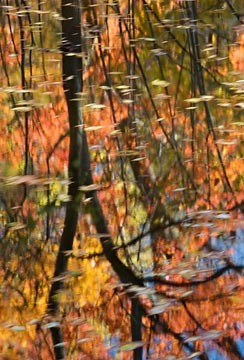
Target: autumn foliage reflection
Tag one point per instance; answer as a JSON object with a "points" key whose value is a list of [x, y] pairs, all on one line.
{"points": [[161, 107]]}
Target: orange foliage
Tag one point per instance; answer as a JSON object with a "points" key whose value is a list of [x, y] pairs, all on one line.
{"points": [[237, 52]]}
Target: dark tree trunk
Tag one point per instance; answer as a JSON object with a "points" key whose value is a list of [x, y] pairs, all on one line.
{"points": [[80, 174], [136, 327], [72, 84]]}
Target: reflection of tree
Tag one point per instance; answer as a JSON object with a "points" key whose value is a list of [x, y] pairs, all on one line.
{"points": [[153, 154], [80, 174]]}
